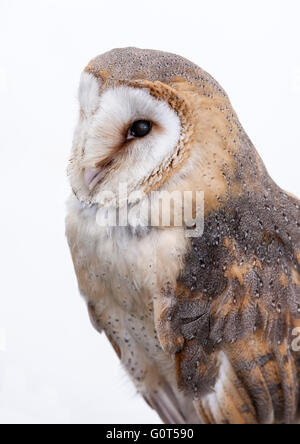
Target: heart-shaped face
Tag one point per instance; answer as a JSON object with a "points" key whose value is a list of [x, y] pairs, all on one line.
{"points": [[124, 135]]}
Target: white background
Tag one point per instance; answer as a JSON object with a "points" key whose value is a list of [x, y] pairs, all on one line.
{"points": [[53, 367]]}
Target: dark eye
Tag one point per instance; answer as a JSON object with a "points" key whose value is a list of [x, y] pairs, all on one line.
{"points": [[140, 128]]}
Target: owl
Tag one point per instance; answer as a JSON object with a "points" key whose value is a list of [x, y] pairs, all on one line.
{"points": [[206, 323]]}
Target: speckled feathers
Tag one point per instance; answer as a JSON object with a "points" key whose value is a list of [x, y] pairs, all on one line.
{"points": [[204, 326]]}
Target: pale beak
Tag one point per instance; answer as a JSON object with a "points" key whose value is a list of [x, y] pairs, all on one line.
{"points": [[92, 176]]}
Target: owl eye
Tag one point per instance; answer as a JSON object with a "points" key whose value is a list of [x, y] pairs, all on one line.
{"points": [[140, 128]]}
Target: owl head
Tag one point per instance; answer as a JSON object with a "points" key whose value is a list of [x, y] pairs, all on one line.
{"points": [[153, 121]]}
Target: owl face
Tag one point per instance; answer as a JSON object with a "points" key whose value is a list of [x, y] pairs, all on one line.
{"points": [[154, 121], [124, 135]]}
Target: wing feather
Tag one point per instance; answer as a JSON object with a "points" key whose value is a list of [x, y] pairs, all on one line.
{"points": [[230, 317]]}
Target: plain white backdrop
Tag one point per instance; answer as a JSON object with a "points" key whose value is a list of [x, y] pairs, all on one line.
{"points": [[54, 368]]}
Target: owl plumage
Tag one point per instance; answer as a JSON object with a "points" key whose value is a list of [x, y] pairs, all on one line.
{"points": [[203, 325]]}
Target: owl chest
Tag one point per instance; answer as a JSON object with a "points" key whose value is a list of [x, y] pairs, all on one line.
{"points": [[119, 275], [120, 284], [119, 266]]}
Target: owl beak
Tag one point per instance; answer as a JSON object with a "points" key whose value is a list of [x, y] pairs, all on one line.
{"points": [[92, 176]]}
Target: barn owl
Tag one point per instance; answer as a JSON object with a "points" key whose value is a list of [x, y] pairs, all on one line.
{"points": [[205, 325]]}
